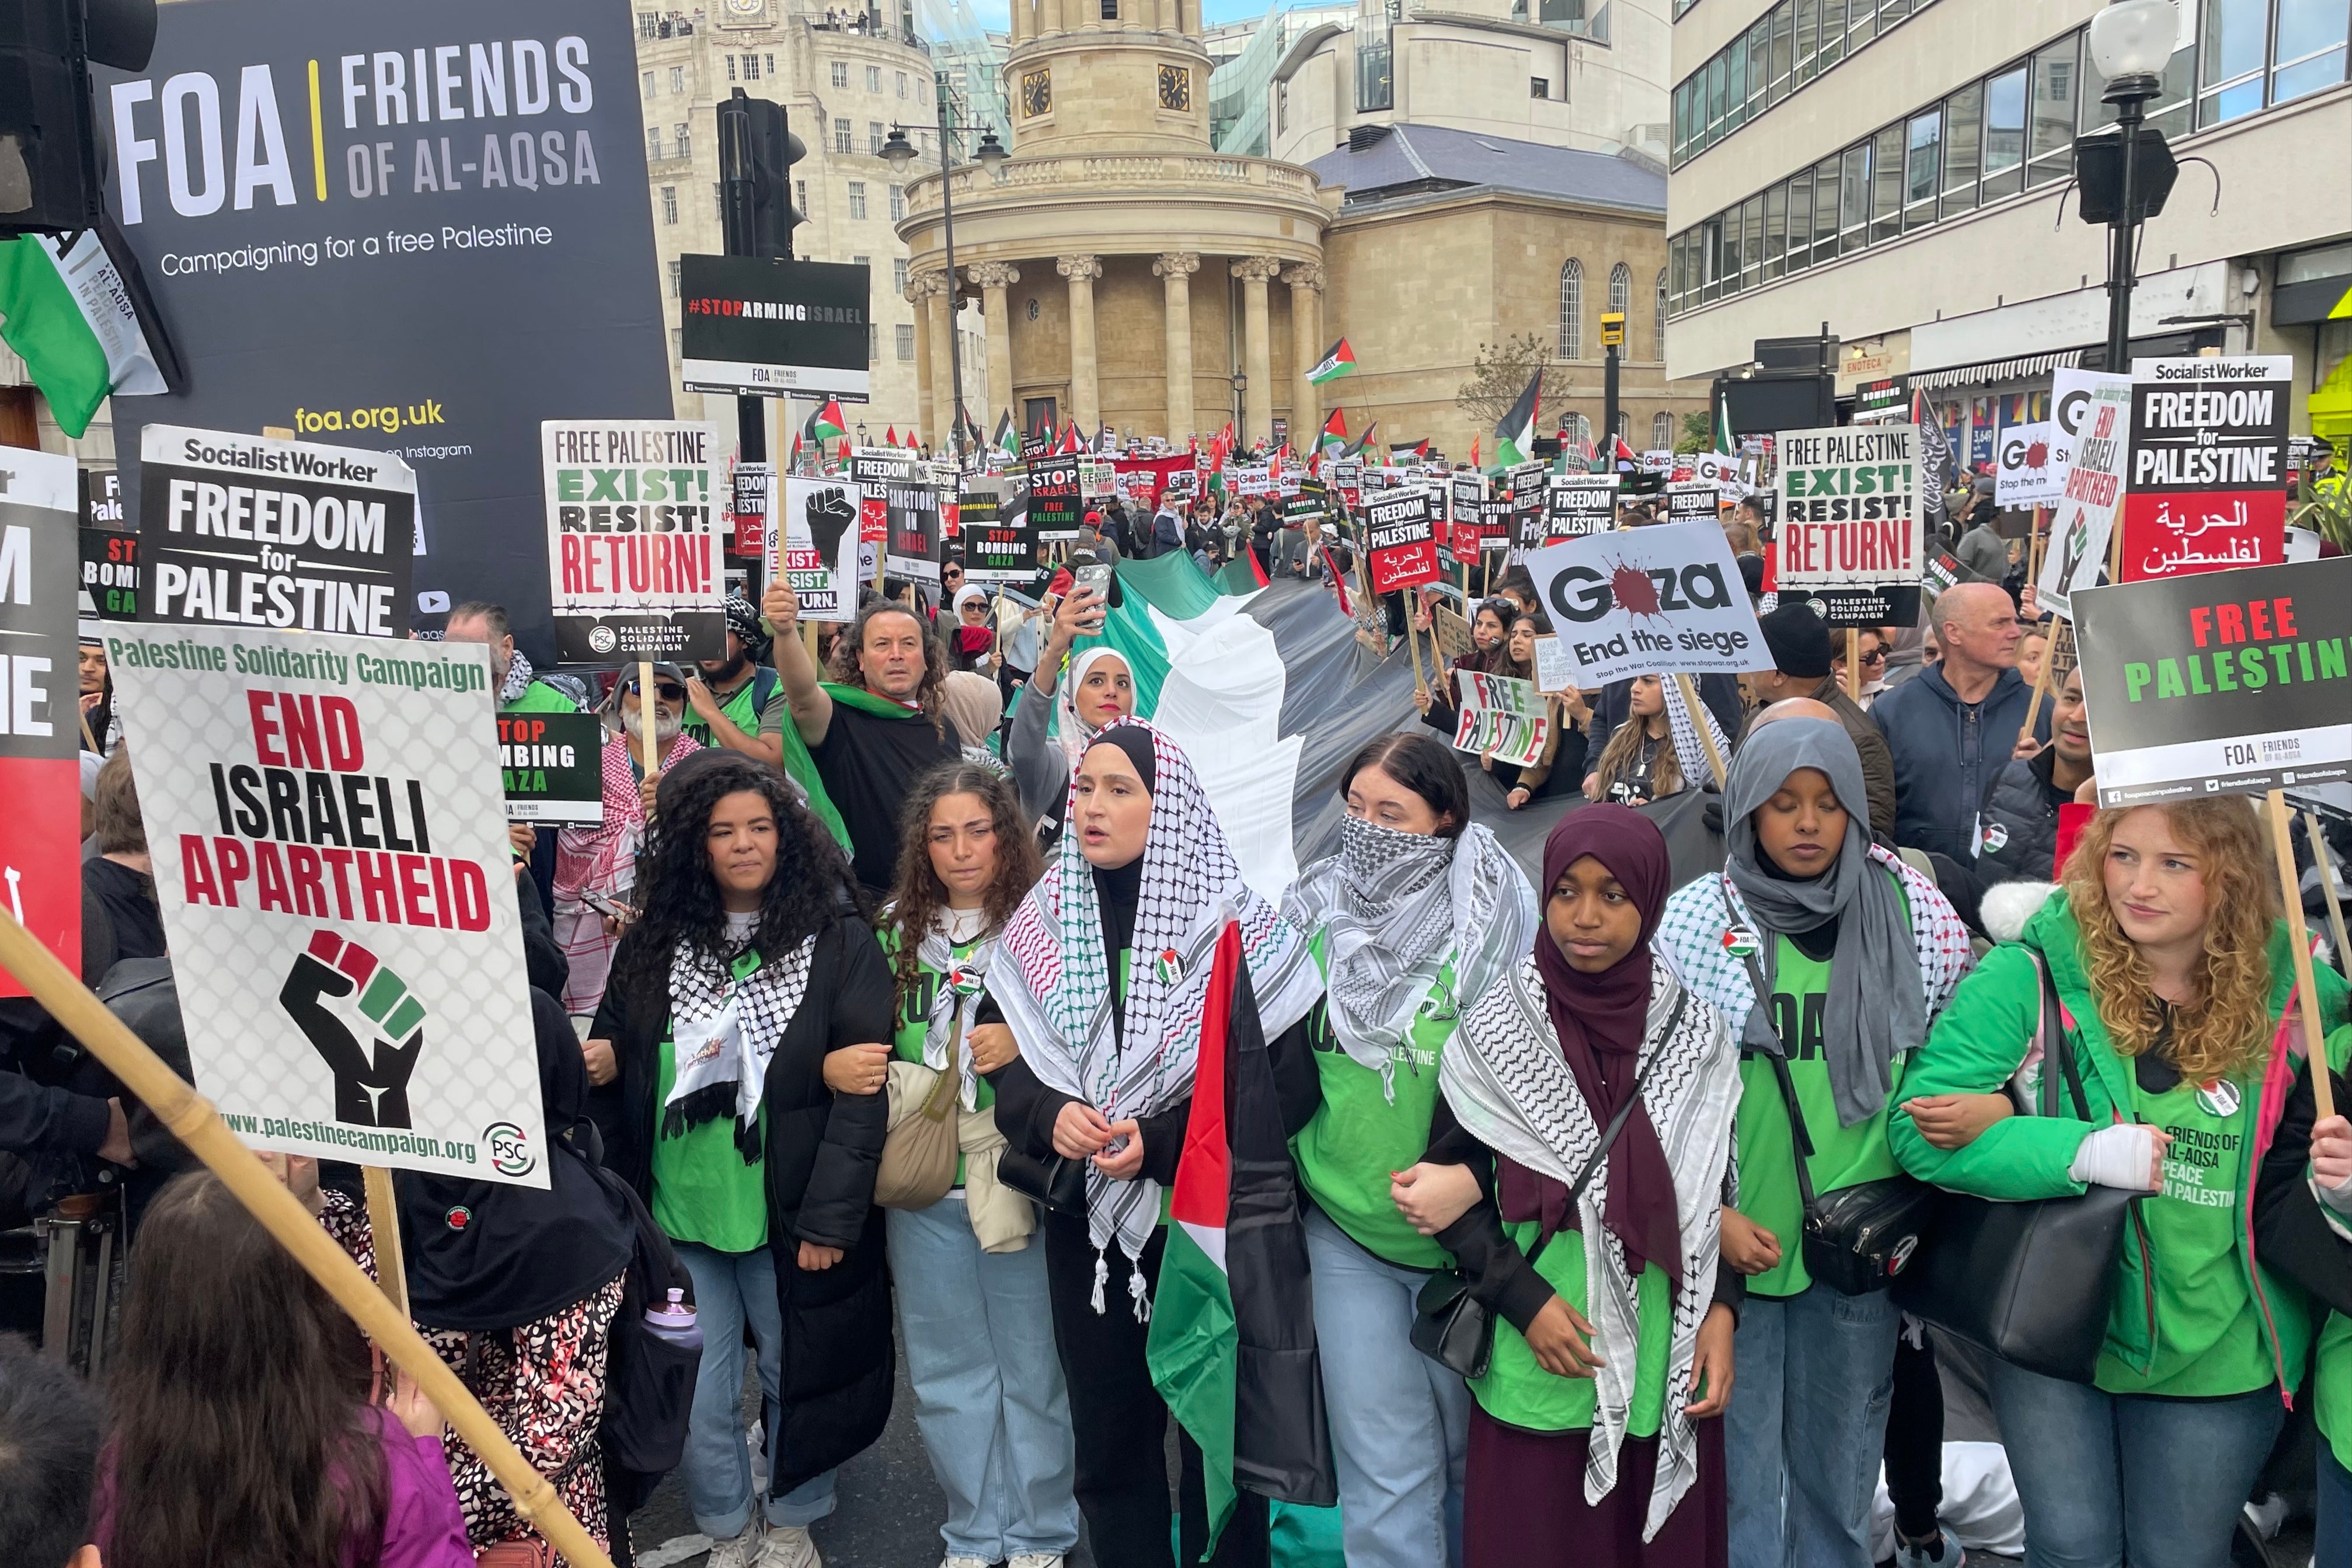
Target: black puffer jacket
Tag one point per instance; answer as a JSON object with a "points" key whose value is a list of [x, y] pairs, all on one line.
{"points": [[2019, 826], [823, 1151]]}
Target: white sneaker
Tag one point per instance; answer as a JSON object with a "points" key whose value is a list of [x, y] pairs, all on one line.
{"points": [[1036, 1560], [736, 1551], [953, 1559], [787, 1546]]}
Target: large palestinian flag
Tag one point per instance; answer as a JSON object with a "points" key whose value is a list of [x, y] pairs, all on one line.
{"points": [[1515, 432], [1232, 1348], [1336, 361]]}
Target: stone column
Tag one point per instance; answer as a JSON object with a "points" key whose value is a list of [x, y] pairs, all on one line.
{"points": [[942, 307], [1175, 270], [1306, 280], [1086, 401], [994, 277], [1258, 395], [918, 294]]}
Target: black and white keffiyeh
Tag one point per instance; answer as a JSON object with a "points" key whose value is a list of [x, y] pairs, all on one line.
{"points": [[1054, 983], [1509, 1085], [726, 1017], [963, 985], [1392, 907]]}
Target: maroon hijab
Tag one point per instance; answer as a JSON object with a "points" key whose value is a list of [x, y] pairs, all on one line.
{"points": [[1600, 1020]]}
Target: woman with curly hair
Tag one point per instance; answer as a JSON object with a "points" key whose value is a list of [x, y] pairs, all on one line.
{"points": [[2173, 974], [973, 1302], [739, 1047]]}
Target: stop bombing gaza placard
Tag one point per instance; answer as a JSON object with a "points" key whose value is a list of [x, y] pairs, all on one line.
{"points": [[634, 540], [330, 857], [2219, 681]]}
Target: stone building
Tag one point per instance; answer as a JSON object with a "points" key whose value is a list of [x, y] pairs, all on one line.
{"points": [[1128, 274]]}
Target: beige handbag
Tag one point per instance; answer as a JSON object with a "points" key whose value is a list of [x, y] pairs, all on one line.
{"points": [[920, 1149]]}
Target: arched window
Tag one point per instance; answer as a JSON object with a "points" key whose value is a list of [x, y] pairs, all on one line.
{"points": [[1621, 288], [1662, 430], [1582, 432], [1659, 321], [1571, 309]]}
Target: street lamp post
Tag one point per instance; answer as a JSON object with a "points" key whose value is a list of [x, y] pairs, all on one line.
{"points": [[991, 152], [2131, 42]]}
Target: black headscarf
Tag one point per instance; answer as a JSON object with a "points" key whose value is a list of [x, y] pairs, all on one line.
{"points": [[485, 1255]]}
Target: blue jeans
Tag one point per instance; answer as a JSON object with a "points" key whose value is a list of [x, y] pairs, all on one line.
{"points": [[730, 1289], [1399, 1422], [989, 1396], [1806, 1427], [2332, 1547], [2109, 1477]]}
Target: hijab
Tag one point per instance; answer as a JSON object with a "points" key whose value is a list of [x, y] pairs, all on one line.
{"points": [[1600, 1021], [1394, 906], [1074, 734], [488, 1255], [1133, 1055], [974, 705], [1876, 1008]]}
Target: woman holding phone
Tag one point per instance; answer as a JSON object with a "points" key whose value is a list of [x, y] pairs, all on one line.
{"points": [[1098, 689]]}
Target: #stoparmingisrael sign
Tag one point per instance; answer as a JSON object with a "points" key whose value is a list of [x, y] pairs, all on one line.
{"points": [[748, 324], [2219, 681]]}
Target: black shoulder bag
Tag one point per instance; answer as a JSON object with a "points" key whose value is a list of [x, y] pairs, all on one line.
{"points": [[1453, 1328], [2029, 1281], [1857, 1240]]}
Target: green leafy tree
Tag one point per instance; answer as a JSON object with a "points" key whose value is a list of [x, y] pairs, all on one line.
{"points": [[1698, 434]]}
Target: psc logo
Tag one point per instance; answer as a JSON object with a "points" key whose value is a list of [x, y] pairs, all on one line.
{"points": [[509, 1146], [603, 638]]}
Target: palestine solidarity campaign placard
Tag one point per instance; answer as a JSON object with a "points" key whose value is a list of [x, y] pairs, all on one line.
{"points": [[331, 856], [633, 540], [1852, 535], [2219, 681]]}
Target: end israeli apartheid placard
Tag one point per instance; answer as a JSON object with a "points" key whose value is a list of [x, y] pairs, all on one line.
{"points": [[1649, 601], [1852, 535], [2094, 412], [250, 530], [2219, 681], [327, 828], [40, 735], [632, 539]]}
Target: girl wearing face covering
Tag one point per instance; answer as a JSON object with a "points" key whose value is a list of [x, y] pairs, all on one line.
{"points": [[516, 1288], [1857, 953], [1419, 914], [1592, 1442], [1103, 975]]}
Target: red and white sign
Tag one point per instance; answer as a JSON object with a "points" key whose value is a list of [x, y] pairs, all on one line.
{"points": [[1401, 540]]}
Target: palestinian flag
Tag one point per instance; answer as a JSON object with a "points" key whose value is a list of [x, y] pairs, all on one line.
{"points": [[828, 423], [911, 443], [1724, 443], [1356, 448], [1335, 430], [68, 315], [1337, 361], [1625, 458], [891, 436], [1515, 433], [1232, 1348], [1008, 439], [1411, 451]]}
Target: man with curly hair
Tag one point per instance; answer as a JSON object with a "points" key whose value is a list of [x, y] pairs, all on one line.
{"points": [[874, 727]]}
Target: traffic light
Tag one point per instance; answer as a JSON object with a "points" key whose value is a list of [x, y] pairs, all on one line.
{"points": [[757, 151], [50, 173]]}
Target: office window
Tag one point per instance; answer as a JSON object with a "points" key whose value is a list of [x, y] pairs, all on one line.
{"points": [[1719, 71], [841, 73], [1886, 185], [800, 197], [1801, 222], [1963, 136], [861, 261], [902, 84], [647, 78], [858, 198], [669, 203], [899, 275], [685, 147], [1759, 65], [1571, 309], [875, 135], [2055, 83], [841, 136], [1784, 22], [2308, 52], [1662, 429], [1539, 87], [1922, 168], [903, 334], [2004, 134], [873, 78], [1680, 115], [1826, 175], [2230, 80], [653, 142], [676, 278], [1776, 232], [1658, 322], [1735, 87], [731, 67], [750, 67], [898, 203], [1861, 23], [1854, 200], [1752, 242], [1808, 40]]}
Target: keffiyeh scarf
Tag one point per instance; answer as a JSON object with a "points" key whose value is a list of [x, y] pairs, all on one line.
{"points": [[1054, 983], [963, 985], [726, 1017], [1509, 1085], [517, 680], [1392, 907]]}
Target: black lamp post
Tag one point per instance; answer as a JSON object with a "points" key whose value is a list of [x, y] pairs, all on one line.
{"points": [[991, 153], [2131, 42]]}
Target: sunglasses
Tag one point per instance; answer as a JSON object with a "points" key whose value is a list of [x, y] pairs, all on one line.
{"points": [[664, 691], [1876, 655]]}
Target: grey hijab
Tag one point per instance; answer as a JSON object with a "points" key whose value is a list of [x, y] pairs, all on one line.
{"points": [[1874, 1010]]}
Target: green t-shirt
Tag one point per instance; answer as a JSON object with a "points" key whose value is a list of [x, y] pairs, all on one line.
{"points": [[1842, 1156], [2207, 1341], [538, 697], [741, 707], [1517, 1391], [704, 1191], [1357, 1137], [915, 1020], [2332, 1386]]}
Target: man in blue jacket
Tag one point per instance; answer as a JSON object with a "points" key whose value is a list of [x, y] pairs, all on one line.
{"points": [[1952, 730]]}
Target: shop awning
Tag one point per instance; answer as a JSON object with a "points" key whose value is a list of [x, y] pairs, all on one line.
{"points": [[2024, 368]]}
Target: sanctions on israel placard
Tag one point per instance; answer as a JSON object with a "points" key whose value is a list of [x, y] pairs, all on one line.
{"points": [[328, 826], [2219, 681]]}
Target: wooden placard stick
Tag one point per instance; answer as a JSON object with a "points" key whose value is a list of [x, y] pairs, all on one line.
{"points": [[2314, 1038], [648, 718], [1689, 688], [1412, 640], [1853, 663], [384, 1225], [193, 1121], [2327, 886]]}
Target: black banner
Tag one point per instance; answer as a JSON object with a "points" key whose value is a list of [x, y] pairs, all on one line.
{"points": [[768, 326], [552, 765], [110, 573], [1054, 503], [912, 551], [1579, 504], [999, 546]]}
